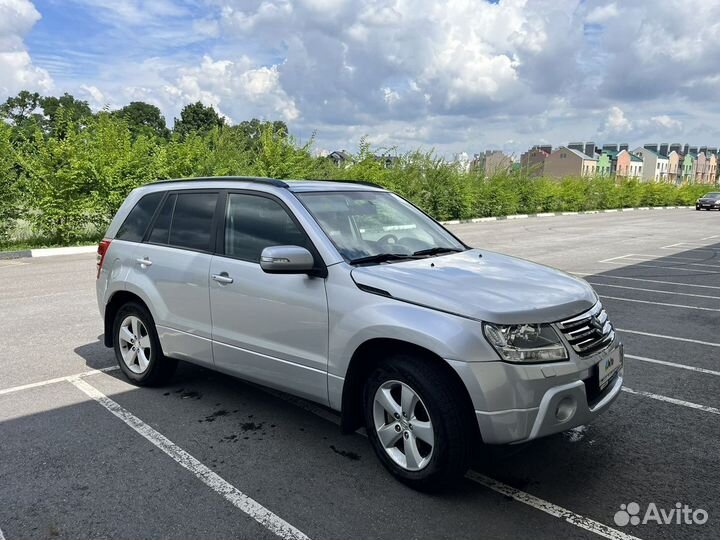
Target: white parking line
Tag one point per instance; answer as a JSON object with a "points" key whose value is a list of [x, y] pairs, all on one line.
{"points": [[203, 473], [56, 380], [662, 259], [690, 248], [689, 244], [495, 485], [667, 267], [635, 300], [2, 536], [614, 258], [653, 290], [674, 401], [607, 276], [673, 364], [686, 340], [549, 508]]}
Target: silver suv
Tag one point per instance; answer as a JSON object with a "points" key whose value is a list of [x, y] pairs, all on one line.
{"points": [[347, 295]]}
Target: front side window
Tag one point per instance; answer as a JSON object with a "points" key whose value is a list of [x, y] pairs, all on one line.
{"points": [[134, 227], [253, 223], [366, 224]]}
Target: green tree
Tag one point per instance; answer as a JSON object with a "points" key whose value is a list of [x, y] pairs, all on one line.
{"points": [[196, 117], [279, 156], [75, 112], [23, 113], [250, 132], [9, 192], [144, 119]]}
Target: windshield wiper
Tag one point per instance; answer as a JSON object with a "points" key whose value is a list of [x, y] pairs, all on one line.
{"points": [[437, 251], [382, 257]]}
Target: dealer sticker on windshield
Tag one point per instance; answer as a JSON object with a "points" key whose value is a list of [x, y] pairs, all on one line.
{"points": [[609, 366]]}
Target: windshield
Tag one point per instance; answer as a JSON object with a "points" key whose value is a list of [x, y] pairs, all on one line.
{"points": [[364, 224], [713, 196]]}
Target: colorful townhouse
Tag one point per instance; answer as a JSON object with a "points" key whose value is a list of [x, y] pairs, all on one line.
{"points": [[655, 165], [629, 165], [566, 161]]}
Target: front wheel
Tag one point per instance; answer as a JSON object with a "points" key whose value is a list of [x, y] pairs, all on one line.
{"points": [[137, 347], [420, 428]]}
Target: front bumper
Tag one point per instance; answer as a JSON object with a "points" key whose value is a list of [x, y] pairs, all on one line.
{"points": [[518, 403]]}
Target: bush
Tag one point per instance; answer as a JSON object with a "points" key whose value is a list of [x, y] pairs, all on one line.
{"points": [[64, 185]]}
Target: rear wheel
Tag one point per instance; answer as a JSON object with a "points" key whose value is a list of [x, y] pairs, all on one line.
{"points": [[137, 347], [420, 428]]}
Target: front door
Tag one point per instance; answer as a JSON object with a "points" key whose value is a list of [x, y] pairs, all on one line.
{"points": [[269, 328]]}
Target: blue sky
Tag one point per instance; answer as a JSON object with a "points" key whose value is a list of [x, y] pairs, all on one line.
{"points": [[458, 76]]}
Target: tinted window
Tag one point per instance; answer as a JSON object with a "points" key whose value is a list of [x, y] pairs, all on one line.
{"points": [[253, 223], [161, 230], [135, 225], [191, 225]]}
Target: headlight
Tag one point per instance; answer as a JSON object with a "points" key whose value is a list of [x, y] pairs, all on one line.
{"points": [[526, 342]]}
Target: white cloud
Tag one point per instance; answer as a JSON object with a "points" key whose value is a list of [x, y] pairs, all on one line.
{"points": [[616, 123], [17, 72], [666, 122], [96, 98], [455, 75], [602, 14]]}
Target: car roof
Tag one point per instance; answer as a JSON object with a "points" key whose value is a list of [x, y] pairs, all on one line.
{"points": [[296, 186]]}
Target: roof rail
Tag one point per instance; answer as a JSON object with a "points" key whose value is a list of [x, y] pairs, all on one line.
{"points": [[343, 181], [252, 179]]}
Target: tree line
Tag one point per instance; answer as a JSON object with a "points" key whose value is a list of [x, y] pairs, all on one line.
{"points": [[65, 170]]}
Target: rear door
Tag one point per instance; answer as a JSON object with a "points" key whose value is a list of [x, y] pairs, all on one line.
{"points": [[171, 270], [272, 329]]}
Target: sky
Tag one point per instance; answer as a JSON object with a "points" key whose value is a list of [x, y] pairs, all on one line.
{"points": [[454, 76]]}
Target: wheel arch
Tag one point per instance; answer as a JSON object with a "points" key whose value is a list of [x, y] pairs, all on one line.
{"points": [[372, 353], [117, 300]]}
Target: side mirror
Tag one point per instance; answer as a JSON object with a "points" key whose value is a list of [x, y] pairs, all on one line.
{"points": [[286, 260]]}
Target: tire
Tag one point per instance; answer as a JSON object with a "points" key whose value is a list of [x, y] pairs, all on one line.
{"points": [[145, 365], [453, 430]]}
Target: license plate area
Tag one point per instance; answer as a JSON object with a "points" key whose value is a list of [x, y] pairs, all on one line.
{"points": [[609, 366]]}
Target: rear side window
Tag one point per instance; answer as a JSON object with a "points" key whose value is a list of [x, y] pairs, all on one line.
{"points": [[136, 223], [191, 224], [161, 230], [253, 223]]}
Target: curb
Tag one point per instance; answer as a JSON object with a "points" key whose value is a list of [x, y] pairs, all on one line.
{"points": [[47, 252], [553, 214]]}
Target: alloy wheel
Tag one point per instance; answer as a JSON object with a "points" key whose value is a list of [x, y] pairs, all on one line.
{"points": [[403, 425], [135, 345]]}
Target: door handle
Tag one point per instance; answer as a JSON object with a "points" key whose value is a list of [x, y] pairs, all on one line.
{"points": [[144, 262], [223, 277]]}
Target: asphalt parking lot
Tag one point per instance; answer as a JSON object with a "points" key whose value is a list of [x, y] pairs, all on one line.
{"points": [[84, 454]]}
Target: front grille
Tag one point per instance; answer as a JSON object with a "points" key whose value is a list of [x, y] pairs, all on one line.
{"points": [[589, 332]]}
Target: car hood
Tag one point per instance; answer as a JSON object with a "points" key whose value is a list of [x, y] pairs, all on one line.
{"points": [[708, 199], [482, 285]]}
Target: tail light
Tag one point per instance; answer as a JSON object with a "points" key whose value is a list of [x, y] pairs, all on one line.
{"points": [[102, 250]]}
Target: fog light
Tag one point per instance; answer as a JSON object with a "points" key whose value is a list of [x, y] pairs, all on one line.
{"points": [[565, 409]]}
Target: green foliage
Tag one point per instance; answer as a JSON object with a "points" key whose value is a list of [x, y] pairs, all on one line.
{"points": [[64, 173], [144, 119], [63, 113], [197, 118], [9, 191]]}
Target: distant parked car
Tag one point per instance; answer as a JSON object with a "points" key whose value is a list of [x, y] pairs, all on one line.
{"points": [[348, 295], [709, 201]]}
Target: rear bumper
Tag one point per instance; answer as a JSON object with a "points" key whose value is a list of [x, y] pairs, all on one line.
{"points": [[544, 399]]}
